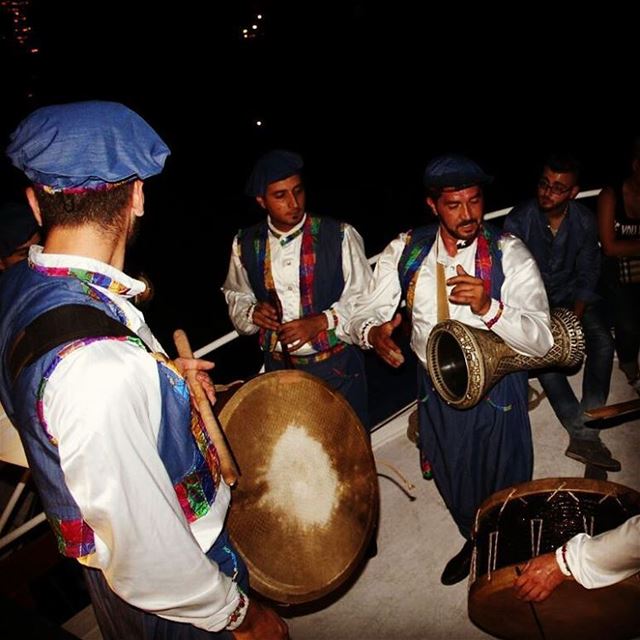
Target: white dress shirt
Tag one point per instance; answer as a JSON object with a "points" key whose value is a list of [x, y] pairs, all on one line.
{"points": [[523, 324], [102, 405], [285, 269], [606, 558]]}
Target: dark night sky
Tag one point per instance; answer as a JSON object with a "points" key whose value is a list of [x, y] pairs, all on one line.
{"points": [[366, 93]]}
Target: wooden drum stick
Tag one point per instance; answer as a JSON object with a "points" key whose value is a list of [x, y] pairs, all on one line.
{"points": [[228, 466]]}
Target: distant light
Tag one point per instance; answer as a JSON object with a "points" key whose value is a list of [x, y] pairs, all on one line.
{"points": [[258, 123], [35, 50], [254, 26], [245, 30], [259, 16]]}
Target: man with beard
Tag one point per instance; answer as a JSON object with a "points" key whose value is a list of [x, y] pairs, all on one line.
{"points": [[128, 476], [464, 270], [562, 235], [294, 278]]}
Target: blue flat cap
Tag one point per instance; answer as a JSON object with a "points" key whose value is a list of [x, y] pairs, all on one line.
{"points": [[17, 225], [454, 171], [271, 167], [86, 145]]}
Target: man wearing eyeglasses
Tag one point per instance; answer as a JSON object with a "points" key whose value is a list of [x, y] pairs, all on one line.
{"points": [[562, 235]]}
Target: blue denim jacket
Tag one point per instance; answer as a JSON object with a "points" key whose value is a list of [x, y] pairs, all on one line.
{"points": [[570, 262]]}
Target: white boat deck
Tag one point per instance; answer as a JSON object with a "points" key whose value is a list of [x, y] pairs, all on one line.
{"points": [[398, 594]]}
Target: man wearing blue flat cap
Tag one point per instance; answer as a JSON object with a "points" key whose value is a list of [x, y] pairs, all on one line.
{"points": [[294, 278], [128, 477], [462, 269]]}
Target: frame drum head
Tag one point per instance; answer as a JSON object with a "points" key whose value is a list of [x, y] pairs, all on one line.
{"points": [[307, 499], [539, 516]]}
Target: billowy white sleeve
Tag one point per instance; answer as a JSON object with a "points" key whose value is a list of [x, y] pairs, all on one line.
{"points": [[238, 293], [524, 322], [379, 301], [606, 558], [357, 274], [102, 405]]}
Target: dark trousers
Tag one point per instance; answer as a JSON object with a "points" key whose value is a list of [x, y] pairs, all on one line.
{"points": [[343, 372], [476, 452], [119, 620]]}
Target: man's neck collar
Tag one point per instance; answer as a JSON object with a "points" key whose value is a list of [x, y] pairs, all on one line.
{"points": [[283, 234]]}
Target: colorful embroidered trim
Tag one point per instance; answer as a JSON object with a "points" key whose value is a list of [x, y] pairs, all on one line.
{"points": [[314, 357], [235, 619], [106, 186], [310, 230], [74, 537], [197, 490], [490, 323]]}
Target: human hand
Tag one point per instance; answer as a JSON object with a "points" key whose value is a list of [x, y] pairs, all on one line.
{"points": [[265, 316], [539, 578], [380, 339], [469, 290], [261, 623], [298, 332], [201, 367]]}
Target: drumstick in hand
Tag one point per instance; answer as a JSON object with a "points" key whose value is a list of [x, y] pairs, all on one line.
{"points": [[228, 466]]}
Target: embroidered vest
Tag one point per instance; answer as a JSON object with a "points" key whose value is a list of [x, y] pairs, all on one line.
{"points": [[183, 443], [321, 277], [418, 244]]}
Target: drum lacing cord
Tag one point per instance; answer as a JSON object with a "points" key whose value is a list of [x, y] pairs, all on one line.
{"points": [[408, 486]]}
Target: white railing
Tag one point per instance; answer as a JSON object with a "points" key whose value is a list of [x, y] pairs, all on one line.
{"points": [[232, 335]]}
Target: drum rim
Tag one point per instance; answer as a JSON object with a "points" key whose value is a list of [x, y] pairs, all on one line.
{"points": [[275, 590], [541, 485]]}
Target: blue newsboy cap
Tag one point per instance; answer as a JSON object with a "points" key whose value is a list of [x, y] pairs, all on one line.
{"points": [[454, 171], [86, 145], [271, 167], [17, 225]]}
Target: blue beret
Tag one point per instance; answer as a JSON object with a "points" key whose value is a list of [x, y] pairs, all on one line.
{"points": [[454, 171], [86, 145], [271, 167], [17, 225]]}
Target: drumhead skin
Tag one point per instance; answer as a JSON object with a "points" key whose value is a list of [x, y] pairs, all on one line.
{"points": [[536, 517], [307, 499]]}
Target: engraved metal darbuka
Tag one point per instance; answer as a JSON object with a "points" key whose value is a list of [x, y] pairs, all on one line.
{"points": [[465, 362]]}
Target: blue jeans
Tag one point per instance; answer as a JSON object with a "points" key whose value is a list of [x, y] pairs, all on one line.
{"points": [[595, 382]]}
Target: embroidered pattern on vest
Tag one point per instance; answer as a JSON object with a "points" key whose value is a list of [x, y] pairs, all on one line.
{"points": [[74, 537], [413, 256], [310, 231], [197, 490], [88, 278]]}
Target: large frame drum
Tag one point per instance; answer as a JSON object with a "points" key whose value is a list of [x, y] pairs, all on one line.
{"points": [[534, 518], [306, 502]]}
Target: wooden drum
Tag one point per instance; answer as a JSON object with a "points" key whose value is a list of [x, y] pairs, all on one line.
{"points": [[534, 518]]}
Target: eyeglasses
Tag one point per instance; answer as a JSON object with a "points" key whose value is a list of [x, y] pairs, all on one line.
{"points": [[556, 188]]}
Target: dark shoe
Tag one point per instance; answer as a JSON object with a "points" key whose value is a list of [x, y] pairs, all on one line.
{"points": [[458, 567], [592, 452]]}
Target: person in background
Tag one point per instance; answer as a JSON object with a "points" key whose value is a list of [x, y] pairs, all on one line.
{"points": [[128, 476], [18, 231], [594, 562], [562, 236], [462, 269], [619, 228], [294, 278]]}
